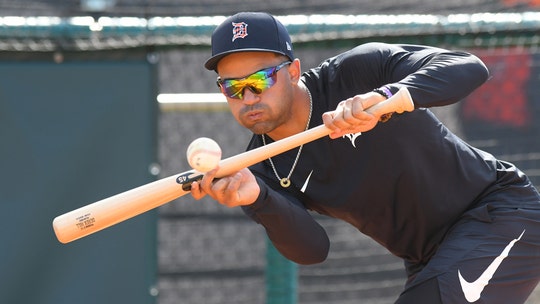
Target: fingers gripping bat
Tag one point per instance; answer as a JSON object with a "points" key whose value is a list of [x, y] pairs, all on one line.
{"points": [[102, 214]]}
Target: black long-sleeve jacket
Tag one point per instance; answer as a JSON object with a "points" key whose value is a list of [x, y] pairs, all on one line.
{"points": [[403, 183]]}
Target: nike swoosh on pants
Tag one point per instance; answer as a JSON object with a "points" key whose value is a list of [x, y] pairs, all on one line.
{"points": [[473, 290]]}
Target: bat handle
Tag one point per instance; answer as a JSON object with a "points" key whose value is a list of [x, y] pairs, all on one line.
{"points": [[399, 103]]}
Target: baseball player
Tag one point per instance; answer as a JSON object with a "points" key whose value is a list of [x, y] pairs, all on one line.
{"points": [[467, 225]]}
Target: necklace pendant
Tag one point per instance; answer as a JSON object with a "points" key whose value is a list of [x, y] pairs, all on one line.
{"points": [[285, 182]]}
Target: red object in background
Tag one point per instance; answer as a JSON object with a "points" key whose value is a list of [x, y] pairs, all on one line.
{"points": [[502, 100], [530, 3]]}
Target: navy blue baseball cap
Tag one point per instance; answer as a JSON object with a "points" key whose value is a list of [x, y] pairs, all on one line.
{"points": [[249, 31]]}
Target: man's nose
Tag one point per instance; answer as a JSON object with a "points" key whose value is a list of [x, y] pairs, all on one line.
{"points": [[250, 97]]}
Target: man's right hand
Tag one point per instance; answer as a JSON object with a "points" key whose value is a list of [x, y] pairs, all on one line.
{"points": [[238, 189]]}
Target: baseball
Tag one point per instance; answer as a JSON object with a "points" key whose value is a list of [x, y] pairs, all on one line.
{"points": [[203, 154]]}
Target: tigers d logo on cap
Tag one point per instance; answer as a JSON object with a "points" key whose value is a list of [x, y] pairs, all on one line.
{"points": [[239, 30]]}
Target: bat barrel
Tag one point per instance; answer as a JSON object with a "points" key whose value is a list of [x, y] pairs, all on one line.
{"points": [[115, 209]]}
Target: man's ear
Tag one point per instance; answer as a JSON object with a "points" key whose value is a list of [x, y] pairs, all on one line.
{"points": [[295, 70]]}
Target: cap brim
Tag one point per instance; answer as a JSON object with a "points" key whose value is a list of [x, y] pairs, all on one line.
{"points": [[211, 63]]}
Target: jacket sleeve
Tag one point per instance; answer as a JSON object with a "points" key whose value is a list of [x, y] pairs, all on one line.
{"points": [[289, 226], [434, 76], [437, 77]]}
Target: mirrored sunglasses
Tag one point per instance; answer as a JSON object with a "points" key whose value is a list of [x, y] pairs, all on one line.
{"points": [[257, 82]]}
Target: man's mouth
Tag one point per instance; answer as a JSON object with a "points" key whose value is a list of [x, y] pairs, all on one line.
{"points": [[254, 115]]}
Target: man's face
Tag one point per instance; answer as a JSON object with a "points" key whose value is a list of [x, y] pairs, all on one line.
{"points": [[259, 112]]}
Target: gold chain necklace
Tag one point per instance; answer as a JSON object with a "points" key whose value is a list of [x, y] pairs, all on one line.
{"points": [[286, 181]]}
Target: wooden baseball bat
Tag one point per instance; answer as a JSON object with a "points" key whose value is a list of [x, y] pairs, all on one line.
{"points": [[115, 209]]}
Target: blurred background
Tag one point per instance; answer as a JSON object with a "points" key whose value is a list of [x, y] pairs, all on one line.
{"points": [[97, 97]]}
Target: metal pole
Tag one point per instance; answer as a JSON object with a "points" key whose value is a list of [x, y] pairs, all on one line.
{"points": [[281, 277]]}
